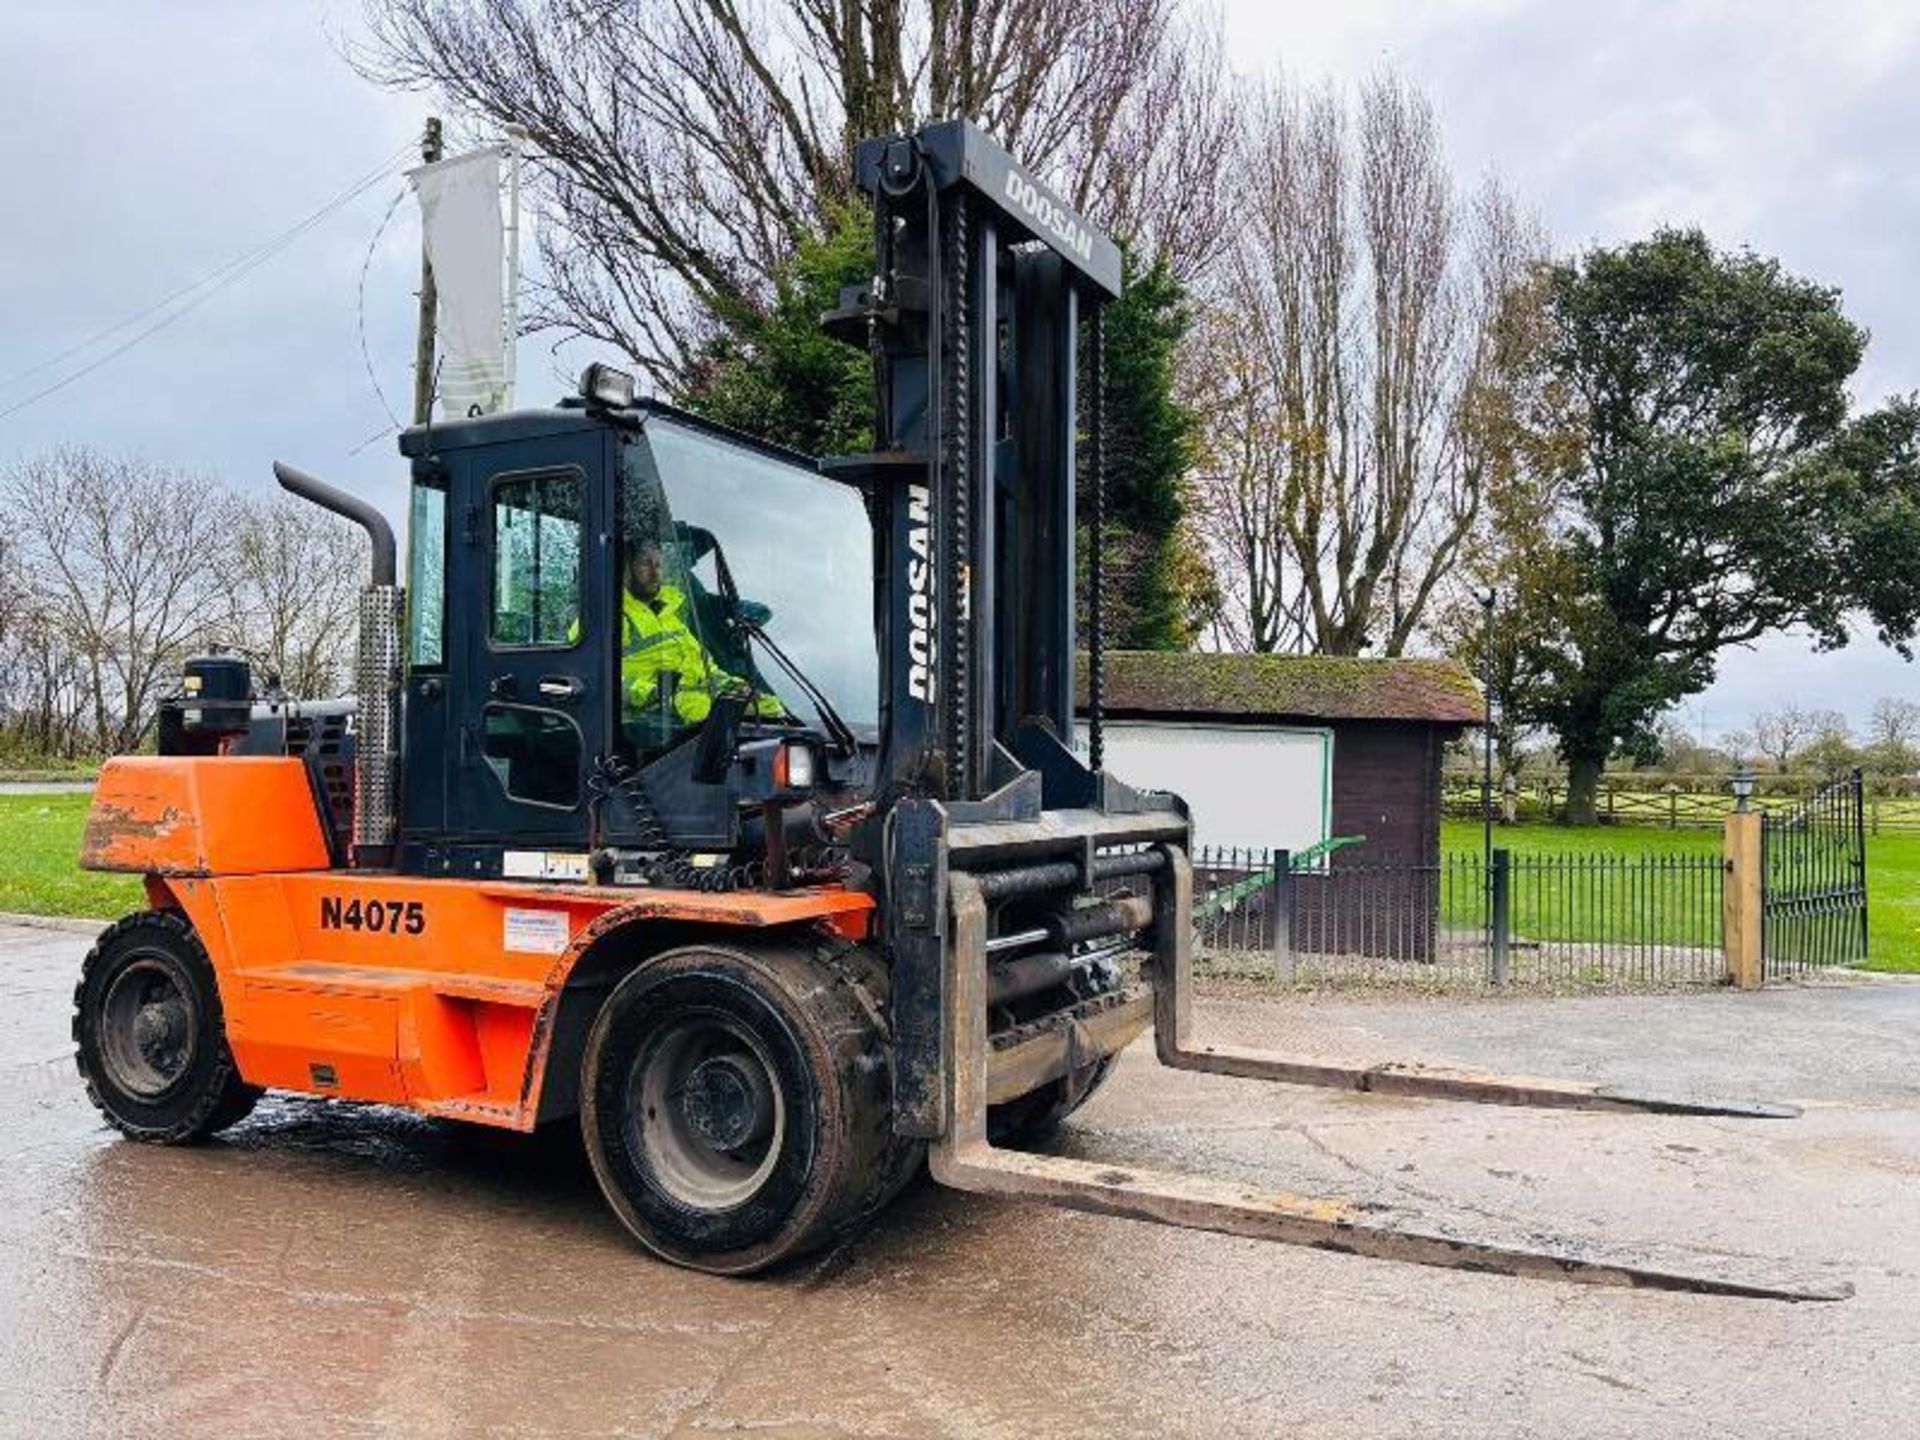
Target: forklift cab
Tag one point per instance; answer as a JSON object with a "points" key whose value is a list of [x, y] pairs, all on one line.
{"points": [[597, 595]]}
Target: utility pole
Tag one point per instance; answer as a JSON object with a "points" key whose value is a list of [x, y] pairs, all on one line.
{"points": [[429, 300], [516, 144]]}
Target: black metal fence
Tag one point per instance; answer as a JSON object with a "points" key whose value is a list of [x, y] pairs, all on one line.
{"points": [[1814, 891], [1561, 922]]}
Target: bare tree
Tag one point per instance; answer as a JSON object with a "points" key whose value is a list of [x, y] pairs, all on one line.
{"points": [[1893, 737], [685, 147], [13, 610], [1894, 722], [292, 590], [1368, 340], [1782, 732], [1830, 750], [45, 714], [33, 722], [125, 564], [1683, 752], [1739, 745], [1235, 500]]}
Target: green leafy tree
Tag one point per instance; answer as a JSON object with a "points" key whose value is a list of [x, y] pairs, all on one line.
{"points": [[1716, 494], [1152, 592], [773, 372], [1875, 474]]}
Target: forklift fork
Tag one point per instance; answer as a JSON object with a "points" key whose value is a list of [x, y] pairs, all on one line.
{"points": [[965, 1159]]}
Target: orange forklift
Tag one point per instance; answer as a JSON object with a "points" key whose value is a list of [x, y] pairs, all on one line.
{"points": [[778, 901]]}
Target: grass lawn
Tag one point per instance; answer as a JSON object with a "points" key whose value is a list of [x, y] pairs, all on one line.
{"points": [[40, 872], [1893, 879]]}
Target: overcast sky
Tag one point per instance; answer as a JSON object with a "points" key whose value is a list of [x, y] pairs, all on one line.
{"points": [[149, 144]]}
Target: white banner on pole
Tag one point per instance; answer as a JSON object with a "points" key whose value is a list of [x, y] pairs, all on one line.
{"points": [[460, 216]]}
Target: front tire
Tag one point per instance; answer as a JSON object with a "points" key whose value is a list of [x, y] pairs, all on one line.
{"points": [[735, 1102], [149, 1035]]}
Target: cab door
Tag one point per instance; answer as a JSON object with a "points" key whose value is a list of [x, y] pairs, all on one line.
{"points": [[535, 644]]}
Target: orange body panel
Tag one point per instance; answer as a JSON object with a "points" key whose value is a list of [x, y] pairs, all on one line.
{"points": [[437, 994], [191, 815]]}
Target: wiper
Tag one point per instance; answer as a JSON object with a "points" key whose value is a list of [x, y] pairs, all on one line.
{"points": [[843, 740]]}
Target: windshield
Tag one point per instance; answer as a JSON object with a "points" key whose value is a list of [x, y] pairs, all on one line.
{"points": [[797, 546]]}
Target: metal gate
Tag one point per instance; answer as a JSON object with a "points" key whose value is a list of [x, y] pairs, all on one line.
{"points": [[1814, 885]]}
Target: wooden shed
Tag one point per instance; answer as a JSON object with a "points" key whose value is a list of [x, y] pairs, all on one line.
{"points": [[1323, 755], [1376, 728]]}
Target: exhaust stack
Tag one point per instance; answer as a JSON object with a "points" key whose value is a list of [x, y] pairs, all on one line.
{"points": [[376, 673]]}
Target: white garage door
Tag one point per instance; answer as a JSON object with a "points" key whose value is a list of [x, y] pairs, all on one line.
{"points": [[1258, 788]]}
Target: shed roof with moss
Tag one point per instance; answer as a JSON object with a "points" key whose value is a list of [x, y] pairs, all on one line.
{"points": [[1278, 688]]}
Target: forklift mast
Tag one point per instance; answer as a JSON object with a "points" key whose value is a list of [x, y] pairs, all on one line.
{"points": [[989, 829], [988, 289], [985, 298]]}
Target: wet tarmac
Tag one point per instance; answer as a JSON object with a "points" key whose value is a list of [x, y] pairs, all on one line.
{"points": [[324, 1270]]}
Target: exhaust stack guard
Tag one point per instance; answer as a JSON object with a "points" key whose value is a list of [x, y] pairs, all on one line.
{"points": [[376, 670]]}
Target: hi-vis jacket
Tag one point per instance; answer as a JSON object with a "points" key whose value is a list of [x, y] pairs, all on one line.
{"points": [[655, 639]]}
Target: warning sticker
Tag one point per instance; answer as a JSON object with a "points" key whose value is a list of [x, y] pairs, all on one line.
{"points": [[537, 932]]}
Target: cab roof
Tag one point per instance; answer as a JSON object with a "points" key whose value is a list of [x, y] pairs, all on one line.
{"points": [[571, 417]]}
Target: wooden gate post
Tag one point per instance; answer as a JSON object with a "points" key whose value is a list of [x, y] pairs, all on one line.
{"points": [[1742, 898]]}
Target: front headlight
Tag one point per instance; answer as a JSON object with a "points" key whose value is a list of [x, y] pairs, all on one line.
{"points": [[793, 767]]}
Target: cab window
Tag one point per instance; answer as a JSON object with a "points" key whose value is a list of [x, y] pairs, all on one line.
{"points": [[427, 573], [675, 654], [534, 754], [537, 548]]}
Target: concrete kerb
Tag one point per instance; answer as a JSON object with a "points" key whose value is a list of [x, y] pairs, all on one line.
{"points": [[69, 923]]}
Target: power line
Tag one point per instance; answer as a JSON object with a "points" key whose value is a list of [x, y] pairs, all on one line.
{"points": [[366, 263], [208, 278], [200, 291]]}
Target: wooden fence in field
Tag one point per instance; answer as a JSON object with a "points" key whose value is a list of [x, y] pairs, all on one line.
{"points": [[1675, 802]]}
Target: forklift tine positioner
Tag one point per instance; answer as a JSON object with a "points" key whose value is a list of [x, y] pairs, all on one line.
{"points": [[964, 1159]]}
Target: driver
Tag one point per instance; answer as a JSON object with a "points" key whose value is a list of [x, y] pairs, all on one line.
{"points": [[656, 642]]}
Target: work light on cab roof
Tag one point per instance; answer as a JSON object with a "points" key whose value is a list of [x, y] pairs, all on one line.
{"points": [[601, 384]]}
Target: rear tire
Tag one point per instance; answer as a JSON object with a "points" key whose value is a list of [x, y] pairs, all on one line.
{"points": [[149, 1035], [735, 1102]]}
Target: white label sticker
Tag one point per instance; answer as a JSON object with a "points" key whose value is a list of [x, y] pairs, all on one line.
{"points": [[537, 932], [543, 865]]}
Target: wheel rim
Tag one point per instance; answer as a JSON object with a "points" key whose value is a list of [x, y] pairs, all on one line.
{"points": [[706, 1111], [148, 1030]]}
